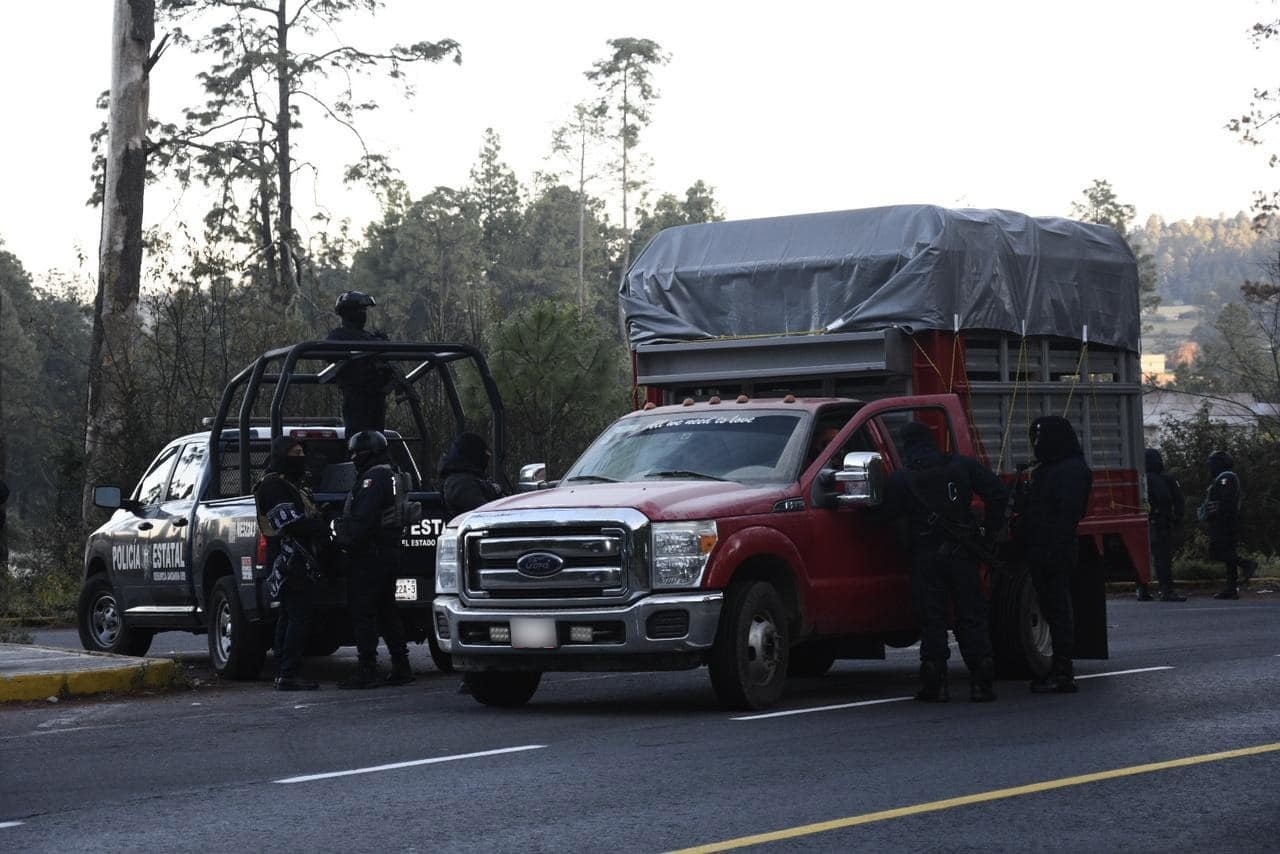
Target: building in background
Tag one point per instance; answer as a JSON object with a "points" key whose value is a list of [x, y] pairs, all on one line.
{"points": [[1239, 410]]}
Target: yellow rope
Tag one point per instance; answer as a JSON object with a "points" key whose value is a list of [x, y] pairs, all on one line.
{"points": [[925, 353], [1019, 376], [1084, 354]]}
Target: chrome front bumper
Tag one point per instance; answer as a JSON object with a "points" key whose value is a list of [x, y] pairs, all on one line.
{"points": [[460, 621]]}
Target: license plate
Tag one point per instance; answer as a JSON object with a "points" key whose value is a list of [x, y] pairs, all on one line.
{"points": [[406, 590], [533, 633]]}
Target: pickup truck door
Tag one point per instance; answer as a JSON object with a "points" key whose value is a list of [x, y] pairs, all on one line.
{"points": [[860, 572], [131, 542], [171, 584]]}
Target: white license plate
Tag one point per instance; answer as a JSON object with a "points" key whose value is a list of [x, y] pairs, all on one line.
{"points": [[406, 590], [533, 633]]}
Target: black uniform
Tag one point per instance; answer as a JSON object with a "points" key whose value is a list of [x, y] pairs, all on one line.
{"points": [[374, 550], [1056, 502], [288, 516], [1164, 495], [934, 493], [1220, 512], [462, 472], [364, 381]]}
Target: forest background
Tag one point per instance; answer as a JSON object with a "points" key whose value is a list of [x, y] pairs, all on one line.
{"points": [[526, 269]]}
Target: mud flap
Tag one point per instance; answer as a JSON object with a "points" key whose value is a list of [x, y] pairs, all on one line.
{"points": [[1089, 605]]}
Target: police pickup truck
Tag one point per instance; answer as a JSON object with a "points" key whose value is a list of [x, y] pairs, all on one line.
{"points": [[183, 551]]}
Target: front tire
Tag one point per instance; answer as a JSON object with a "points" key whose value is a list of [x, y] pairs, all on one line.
{"points": [[1019, 632], [505, 689], [748, 662], [102, 624], [236, 646], [441, 659]]}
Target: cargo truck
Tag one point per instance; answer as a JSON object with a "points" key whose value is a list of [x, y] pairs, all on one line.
{"points": [[725, 522]]}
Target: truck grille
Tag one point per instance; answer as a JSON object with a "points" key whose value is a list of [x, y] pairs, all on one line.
{"points": [[558, 563]]}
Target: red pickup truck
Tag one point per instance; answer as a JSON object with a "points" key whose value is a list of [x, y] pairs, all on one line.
{"points": [[725, 523]]}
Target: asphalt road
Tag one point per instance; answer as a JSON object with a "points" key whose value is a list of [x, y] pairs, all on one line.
{"points": [[647, 762]]}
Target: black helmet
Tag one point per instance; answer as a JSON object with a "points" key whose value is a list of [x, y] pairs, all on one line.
{"points": [[365, 446], [352, 301], [1220, 461]]}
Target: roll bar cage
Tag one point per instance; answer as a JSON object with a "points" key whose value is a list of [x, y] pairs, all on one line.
{"points": [[278, 369]]}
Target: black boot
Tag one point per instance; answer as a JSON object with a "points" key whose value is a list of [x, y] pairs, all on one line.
{"points": [[933, 682], [365, 676], [293, 683], [401, 672], [1061, 678], [981, 679], [1144, 595]]}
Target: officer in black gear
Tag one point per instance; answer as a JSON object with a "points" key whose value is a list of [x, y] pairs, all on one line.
{"points": [[1164, 495], [1046, 530], [463, 471], [370, 530], [934, 493], [295, 532], [1220, 513], [365, 380]]}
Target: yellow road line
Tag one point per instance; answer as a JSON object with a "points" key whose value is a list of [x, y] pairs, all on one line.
{"points": [[981, 797]]}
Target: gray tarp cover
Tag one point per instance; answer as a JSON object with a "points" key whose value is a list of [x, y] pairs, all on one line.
{"points": [[915, 266]]}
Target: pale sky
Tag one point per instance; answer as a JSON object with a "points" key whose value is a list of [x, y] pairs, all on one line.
{"points": [[782, 107]]}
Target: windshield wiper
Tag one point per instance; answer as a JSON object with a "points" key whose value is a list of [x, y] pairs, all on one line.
{"points": [[681, 473], [594, 478]]}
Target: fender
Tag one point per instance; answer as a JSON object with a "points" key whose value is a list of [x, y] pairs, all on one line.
{"points": [[213, 550], [758, 541]]}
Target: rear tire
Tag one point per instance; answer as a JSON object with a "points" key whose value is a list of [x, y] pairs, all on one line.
{"points": [[236, 646], [748, 662], [505, 689], [1019, 632], [101, 621]]}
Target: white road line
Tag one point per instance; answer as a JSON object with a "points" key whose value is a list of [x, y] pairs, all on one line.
{"points": [[819, 709], [1124, 672], [9, 823], [394, 765], [790, 712]]}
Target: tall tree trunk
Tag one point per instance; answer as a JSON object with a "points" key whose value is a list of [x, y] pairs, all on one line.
{"points": [[284, 164], [582, 221], [626, 232], [115, 316]]}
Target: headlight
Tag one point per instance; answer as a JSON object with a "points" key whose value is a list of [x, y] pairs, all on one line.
{"points": [[447, 561], [680, 552]]}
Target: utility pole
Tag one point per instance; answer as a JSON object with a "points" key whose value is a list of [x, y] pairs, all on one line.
{"points": [[115, 315]]}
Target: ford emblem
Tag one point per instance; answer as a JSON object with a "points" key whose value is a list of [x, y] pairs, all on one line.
{"points": [[539, 564]]}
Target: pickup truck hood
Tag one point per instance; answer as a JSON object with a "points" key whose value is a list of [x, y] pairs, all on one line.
{"points": [[659, 500]]}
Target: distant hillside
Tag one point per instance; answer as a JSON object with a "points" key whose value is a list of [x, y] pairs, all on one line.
{"points": [[1203, 262]]}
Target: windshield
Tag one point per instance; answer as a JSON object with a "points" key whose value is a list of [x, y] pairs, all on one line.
{"points": [[755, 447]]}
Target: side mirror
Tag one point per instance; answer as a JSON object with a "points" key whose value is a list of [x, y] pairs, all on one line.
{"points": [[861, 482], [532, 477], [107, 497]]}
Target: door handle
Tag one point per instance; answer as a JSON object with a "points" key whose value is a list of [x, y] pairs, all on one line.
{"points": [[144, 526], [180, 522]]}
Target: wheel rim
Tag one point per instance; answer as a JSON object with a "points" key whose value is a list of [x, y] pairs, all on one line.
{"points": [[104, 620], [763, 649], [223, 628], [1038, 630]]}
